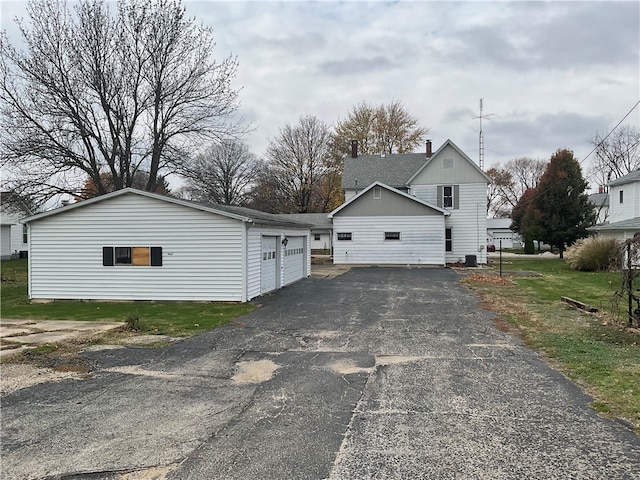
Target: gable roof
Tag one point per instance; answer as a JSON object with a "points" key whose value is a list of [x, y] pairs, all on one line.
{"points": [[243, 214], [599, 199], [460, 152], [628, 178], [391, 189], [392, 169]]}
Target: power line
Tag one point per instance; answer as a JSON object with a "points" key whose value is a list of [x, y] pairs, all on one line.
{"points": [[612, 130]]}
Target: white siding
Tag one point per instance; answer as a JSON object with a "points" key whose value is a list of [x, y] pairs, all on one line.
{"points": [[5, 241], [324, 243], [202, 253], [468, 223], [630, 206], [422, 240]]}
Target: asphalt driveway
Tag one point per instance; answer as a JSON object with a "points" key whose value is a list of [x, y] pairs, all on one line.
{"points": [[378, 373]]}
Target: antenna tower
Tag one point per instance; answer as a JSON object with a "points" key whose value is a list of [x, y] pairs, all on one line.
{"points": [[481, 137]]}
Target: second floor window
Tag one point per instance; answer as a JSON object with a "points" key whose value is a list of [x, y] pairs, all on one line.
{"points": [[447, 196]]}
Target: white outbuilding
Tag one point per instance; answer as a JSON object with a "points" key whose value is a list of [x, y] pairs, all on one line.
{"points": [[136, 245]]}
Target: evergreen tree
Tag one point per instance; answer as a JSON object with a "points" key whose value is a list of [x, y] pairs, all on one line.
{"points": [[560, 206]]}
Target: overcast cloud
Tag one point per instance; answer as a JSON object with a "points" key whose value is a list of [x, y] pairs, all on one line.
{"points": [[553, 73]]}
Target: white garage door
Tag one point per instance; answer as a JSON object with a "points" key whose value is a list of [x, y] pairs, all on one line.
{"points": [[268, 270], [294, 259]]}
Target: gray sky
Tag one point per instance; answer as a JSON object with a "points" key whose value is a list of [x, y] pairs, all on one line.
{"points": [[553, 73]]}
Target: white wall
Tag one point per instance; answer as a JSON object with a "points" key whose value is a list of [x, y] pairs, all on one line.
{"points": [[202, 253], [630, 207], [468, 223], [323, 244], [422, 240]]}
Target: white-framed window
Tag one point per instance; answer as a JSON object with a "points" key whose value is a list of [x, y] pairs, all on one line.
{"points": [[316, 237], [377, 193], [449, 196], [392, 235], [448, 240], [25, 234], [621, 196], [344, 236]]}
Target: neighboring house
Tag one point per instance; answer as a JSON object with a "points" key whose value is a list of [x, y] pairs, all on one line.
{"points": [[499, 230], [321, 229], [446, 180], [624, 208], [136, 245], [600, 202], [14, 241]]}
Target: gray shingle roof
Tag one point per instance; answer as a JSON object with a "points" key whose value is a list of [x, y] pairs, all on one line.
{"points": [[629, 224], [599, 199], [316, 220], [392, 169], [258, 216], [628, 178]]}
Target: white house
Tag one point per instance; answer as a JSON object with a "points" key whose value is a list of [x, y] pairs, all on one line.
{"points": [[136, 245], [446, 179], [14, 241], [383, 225], [321, 229], [624, 208]]}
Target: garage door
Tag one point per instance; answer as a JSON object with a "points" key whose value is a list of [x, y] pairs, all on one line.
{"points": [[294, 259], [268, 270]]}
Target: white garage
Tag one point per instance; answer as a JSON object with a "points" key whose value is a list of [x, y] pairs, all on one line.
{"points": [[136, 245]]}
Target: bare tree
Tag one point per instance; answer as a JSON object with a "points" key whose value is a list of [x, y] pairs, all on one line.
{"points": [[300, 160], [615, 155], [223, 173], [386, 128], [100, 92], [511, 181]]}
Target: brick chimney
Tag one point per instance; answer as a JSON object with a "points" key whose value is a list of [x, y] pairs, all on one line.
{"points": [[600, 189], [354, 148], [429, 153]]}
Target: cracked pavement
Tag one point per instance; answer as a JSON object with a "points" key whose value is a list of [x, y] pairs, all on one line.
{"points": [[378, 373]]}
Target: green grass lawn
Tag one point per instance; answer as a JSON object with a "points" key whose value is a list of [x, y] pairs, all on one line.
{"points": [[168, 318], [597, 351]]}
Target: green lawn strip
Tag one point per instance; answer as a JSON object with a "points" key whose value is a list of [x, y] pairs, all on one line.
{"points": [[597, 352], [163, 318]]}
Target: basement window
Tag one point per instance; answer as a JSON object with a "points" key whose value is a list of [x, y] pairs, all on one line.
{"points": [[344, 236], [392, 235]]}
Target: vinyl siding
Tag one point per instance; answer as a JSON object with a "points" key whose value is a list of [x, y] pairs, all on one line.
{"points": [[202, 253], [422, 240], [468, 222], [630, 207], [448, 167]]}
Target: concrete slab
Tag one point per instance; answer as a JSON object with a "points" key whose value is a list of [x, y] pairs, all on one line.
{"points": [[30, 333]]}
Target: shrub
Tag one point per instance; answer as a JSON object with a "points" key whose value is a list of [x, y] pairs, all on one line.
{"points": [[132, 321], [594, 254]]}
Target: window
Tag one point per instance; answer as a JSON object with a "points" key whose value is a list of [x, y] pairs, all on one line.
{"points": [[448, 240], [136, 256], [447, 163], [25, 234], [621, 196], [447, 196], [392, 235], [316, 237], [344, 236], [377, 193]]}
